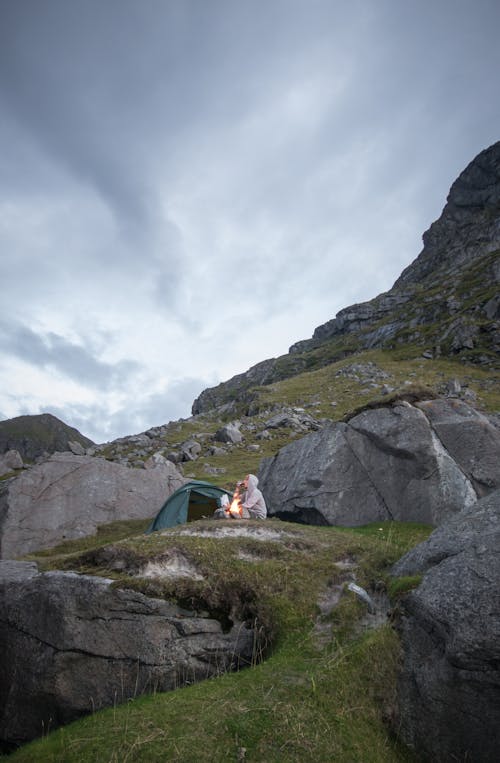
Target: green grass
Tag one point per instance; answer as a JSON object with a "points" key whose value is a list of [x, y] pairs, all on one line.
{"points": [[306, 701]]}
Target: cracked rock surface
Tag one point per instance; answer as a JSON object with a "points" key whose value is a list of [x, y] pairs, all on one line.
{"points": [[71, 644], [68, 496], [449, 688], [412, 463]]}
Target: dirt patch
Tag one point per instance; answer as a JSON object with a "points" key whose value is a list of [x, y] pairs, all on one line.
{"points": [[175, 565], [234, 529]]}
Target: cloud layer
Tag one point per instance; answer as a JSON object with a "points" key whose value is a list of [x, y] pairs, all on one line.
{"points": [[187, 188]]}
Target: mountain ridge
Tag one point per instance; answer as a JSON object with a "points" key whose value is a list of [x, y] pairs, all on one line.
{"points": [[37, 435], [445, 302]]}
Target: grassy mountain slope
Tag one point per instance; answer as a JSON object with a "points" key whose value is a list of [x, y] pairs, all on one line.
{"points": [[331, 392]]}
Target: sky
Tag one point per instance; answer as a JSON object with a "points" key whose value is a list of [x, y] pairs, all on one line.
{"points": [[188, 187]]}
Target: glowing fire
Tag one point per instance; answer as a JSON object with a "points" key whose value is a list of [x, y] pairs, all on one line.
{"points": [[235, 509]]}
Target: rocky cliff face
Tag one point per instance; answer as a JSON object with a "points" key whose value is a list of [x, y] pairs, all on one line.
{"points": [[446, 302]]}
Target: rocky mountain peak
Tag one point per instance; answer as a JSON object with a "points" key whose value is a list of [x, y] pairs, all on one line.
{"points": [[446, 303], [469, 226]]}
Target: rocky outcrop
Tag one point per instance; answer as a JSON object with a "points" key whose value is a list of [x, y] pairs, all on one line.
{"points": [[449, 689], [469, 224], [68, 496], [445, 302], [229, 433], [72, 644], [34, 436], [10, 462], [422, 462]]}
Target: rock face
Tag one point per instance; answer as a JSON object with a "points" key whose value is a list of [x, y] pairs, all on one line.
{"points": [[420, 463], [449, 689], [34, 436], [10, 461], [100, 646], [68, 496], [446, 301]]}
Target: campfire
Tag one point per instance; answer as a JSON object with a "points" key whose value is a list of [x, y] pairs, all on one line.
{"points": [[235, 509]]}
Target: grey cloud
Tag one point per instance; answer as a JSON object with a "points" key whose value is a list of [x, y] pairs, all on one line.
{"points": [[50, 350], [335, 129], [96, 421]]}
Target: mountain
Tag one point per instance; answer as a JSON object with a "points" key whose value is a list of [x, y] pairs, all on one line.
{"points": [[32, 436], [445, 304]]}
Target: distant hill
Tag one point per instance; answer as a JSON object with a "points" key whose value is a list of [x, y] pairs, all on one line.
{"points": [[445, 304], [33, 436]]}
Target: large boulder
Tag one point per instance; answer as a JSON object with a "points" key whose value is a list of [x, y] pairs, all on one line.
{"points": [[10, 461], [449, 688], [420, 463], [68, 496], [71, 644], [470, 438], [229, 434]]}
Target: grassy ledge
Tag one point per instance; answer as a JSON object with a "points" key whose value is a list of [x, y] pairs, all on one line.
{"points": [[310, 699]]}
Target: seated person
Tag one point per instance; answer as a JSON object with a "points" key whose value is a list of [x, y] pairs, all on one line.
{"points": [[252, 501]]}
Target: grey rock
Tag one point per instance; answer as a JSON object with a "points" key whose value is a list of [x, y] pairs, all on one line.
{"points": [[449, 688], [174, 456], [214, 450], [229, 433], [190, 450], [71, 644], [76, 448], [139, 439], [469, 438], [289, 420], [263, 435], [295, 419], [387, 463], [10, 461], [453, 388], [208, 469], [158, 459], [68, 496], [492, 307]]}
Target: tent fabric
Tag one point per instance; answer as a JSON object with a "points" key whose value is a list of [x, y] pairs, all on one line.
{"points": [[194, 500]]}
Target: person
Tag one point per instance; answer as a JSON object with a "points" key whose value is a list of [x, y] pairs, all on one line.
{"points": [[253, 501]]}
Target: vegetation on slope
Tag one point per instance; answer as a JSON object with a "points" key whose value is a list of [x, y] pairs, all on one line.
{"points": [[330, 393], [326, 689]]}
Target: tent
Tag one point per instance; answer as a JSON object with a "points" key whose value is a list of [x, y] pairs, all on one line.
{"points": [[194, 500]]}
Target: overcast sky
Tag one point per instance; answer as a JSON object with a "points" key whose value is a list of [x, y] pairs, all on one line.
{"points": [[188, 187]]}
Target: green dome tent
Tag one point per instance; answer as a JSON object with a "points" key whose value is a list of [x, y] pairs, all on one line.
{"points": [[194, 500]]}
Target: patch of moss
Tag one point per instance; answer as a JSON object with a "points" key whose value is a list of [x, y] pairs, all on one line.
{"points": [[402, 585]]}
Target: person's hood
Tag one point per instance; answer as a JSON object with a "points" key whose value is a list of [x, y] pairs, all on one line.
{"points": [[252, 483]]}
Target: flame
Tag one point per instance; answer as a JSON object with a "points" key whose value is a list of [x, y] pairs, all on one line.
{"points": [[236, 509]]}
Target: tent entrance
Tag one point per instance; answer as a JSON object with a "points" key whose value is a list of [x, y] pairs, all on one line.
{"points": [[193, 500], [200, 506]]}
